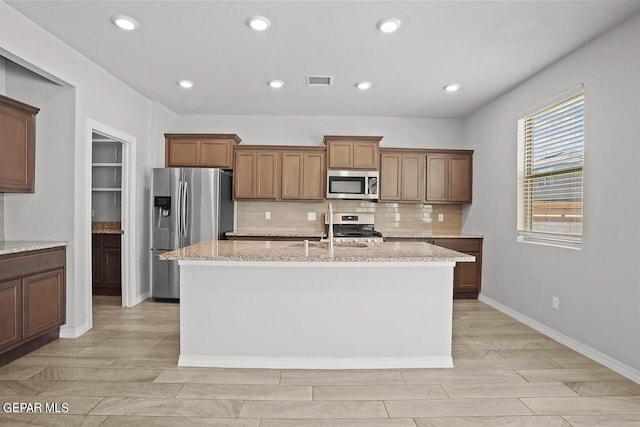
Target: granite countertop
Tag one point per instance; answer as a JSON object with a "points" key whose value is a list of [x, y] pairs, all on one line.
{"points": [[106, 227], [258, 233], [16, 246], [430, 235], [279, 251]]}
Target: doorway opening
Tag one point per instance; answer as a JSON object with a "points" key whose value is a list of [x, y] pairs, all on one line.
{"points": [[106, 215], [112, 214]]}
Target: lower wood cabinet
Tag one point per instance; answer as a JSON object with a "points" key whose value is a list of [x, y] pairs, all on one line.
{"points": [[106, 262], [467, 276], [32, 300]]}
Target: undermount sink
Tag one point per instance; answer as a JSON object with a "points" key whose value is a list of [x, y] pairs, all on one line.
{"points": [[325, 245]]}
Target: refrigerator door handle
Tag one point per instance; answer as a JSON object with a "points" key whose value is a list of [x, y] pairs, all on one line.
{"points": [[185, 212], [179, 213], [183, 209]]}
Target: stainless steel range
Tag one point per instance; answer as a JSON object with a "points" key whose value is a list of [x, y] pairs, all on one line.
{"points": [[354, 227]]}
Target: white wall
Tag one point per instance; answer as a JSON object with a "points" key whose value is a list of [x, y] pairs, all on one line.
{"points": [[100, 97], [2, 90], [309, 130], [599, 286]]}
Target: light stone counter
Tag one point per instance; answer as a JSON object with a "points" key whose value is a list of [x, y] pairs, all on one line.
{"points": [[16, 246], [279, 251], [429, 235], [257, 233]]}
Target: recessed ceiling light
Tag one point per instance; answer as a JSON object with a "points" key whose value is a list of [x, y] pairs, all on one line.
{"points": [[258, 23], [125, 22], [364, 85], [389, 25], [276, 84], [452, 87], [185, 84]]}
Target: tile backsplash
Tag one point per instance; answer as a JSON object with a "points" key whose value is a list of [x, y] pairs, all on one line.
{"points": [[287, 217]]}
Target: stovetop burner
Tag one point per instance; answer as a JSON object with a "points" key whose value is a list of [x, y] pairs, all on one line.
{"points": [[355, 227], [355, 230]]}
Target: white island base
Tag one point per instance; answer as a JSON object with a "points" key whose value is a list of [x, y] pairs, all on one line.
{"points": [[316, 315]]}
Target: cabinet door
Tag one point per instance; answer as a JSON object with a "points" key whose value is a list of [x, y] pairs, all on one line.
{"points": [[96, 243], [266, 175], [111, 264], [460, 178], [42, 302], [292, 175], [313, 176], [390, 176], [216, 153], [340, 154], [411, 177], [10, 314], [437, 181], [465, 275], [182, 153], [244, 175], [17, 145], [365, 155]]}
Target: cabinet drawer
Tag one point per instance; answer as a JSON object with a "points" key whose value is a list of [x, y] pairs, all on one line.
{"points": [[26, 263], [460, 245]]}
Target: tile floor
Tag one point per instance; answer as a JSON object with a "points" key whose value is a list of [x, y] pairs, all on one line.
{"points": [[123, 373]]}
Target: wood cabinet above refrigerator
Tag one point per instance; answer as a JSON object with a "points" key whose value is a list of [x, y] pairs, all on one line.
{"points": [[187, 150]]}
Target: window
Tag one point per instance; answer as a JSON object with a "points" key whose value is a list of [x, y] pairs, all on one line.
{"points": [[550, 166]]}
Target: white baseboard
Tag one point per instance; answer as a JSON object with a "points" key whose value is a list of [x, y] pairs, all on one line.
{"points": [[316, 362], [67, 331], [609, 362], [139, 298]]}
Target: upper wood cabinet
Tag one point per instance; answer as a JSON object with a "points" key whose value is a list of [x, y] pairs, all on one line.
{"points": [[449, 176], [200, 150], [401, 176], [352, 152], [17, 145], [303, 175], [255, 174]]}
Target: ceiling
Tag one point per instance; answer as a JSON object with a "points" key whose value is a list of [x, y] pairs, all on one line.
{"points": [[486, 46]]}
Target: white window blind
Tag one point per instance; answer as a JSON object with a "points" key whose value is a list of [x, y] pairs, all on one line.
{"points": [[550, 167]]}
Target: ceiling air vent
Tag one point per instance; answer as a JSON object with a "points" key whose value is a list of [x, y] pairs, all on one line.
{"points": [[319, 81]]}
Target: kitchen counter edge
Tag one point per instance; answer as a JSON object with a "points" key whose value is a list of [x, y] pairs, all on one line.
{"points": [[249, 251], [16, 246]]}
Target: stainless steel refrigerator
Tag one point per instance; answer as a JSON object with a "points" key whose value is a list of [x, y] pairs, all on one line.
{"points": [[188, 205]]}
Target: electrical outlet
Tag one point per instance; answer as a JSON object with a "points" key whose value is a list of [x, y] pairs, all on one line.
{"points": [[267, 215], [93, 213], [311, 216], [397, 218], [555, 303], [440, 217]]}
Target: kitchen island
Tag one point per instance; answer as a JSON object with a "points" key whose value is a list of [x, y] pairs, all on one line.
{"points": [[280, 305]]}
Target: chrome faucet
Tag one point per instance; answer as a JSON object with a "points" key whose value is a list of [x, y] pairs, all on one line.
{"points": [[330, 236]]}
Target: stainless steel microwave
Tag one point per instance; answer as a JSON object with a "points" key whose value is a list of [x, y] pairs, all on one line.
{"points": [[359, 185]]}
